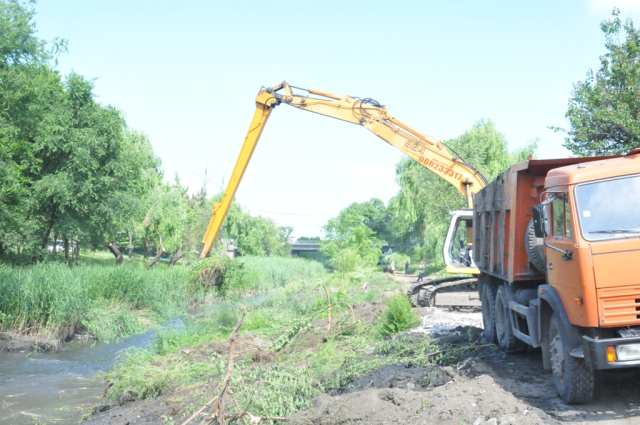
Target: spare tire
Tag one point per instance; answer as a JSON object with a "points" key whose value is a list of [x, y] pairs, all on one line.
{"points": [[535, 249]]}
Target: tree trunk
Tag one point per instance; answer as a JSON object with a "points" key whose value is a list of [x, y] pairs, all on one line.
{"points": [[77, 252], [52, 220], [116, 252], [146, 248], [55, 245], [177, 256], [66, 250], [130, 243], [155, 259]]}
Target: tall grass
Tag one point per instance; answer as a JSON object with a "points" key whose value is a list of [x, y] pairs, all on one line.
{"points": [[275, 272], [108, 301]]}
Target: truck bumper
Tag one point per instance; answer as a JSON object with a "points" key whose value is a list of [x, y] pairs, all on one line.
{"points": [[595, 352]]}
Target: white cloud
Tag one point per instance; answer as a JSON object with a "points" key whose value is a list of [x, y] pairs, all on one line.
{"points": [[369, 173], [598, 6]]}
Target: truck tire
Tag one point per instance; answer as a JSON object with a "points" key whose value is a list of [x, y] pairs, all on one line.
{"points": [[504, 331], [535, 249], [574, 378], [489, 311]]}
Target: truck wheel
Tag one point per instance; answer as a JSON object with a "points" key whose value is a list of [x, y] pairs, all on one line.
{"points": [[504, 332], [489, 312], [573, 376]]}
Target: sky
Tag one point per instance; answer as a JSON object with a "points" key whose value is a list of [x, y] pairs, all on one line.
{"points": [[187, 73]]}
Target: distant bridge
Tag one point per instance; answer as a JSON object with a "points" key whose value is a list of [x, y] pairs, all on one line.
{"points": [[304, 246]]}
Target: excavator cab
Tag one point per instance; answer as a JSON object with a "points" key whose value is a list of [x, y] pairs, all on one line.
{"points": [[458, 247]]}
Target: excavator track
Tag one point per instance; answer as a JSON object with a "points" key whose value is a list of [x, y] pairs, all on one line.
{"points": [[426, 293]]}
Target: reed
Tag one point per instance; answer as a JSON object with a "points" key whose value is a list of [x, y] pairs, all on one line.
{"points": [[108, 302], [275, 272]]}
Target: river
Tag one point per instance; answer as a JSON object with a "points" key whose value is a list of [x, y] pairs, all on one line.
{"points": [[58, 387]]}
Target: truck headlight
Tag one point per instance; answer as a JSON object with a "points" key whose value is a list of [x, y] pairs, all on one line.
{"points": [[628, 352]]}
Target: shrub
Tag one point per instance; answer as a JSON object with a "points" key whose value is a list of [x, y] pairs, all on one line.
{"points": [[399, 316]]}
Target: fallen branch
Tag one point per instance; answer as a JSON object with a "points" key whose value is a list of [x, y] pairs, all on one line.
{"points": [[192, 417], [220, 404]]}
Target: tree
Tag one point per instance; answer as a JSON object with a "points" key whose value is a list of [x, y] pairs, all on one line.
{"points": [[18, 43], [30, 93], [352, 235], [166, 219], [604, 110]]}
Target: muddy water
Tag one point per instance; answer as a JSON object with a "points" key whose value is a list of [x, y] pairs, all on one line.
{"points": [[56, 387]]}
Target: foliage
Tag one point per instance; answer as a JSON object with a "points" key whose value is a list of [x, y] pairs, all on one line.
{"points": [[69, 166], [254, 235], [137, 372], [167, 215], [282, 390], [209, 273], [351, 238], [108, 302], [421, 350], [399, 316], [604, 109]]}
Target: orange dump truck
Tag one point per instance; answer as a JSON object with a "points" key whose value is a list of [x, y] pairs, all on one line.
{"points": [[557, 243]]}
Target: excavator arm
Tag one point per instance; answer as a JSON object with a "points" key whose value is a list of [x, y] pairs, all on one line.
{"points": [[429, 152]]}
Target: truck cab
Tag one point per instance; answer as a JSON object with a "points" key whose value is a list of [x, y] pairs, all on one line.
{"points": [[558, 246]]}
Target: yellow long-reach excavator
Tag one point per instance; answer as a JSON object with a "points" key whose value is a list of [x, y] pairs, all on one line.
{"points": [[428, 151]]}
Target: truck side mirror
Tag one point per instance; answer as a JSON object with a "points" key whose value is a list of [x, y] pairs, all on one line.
{"points": [[541, 223], [537, 221]]}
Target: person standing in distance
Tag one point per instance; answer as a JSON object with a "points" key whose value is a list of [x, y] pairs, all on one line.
{"points": [[421, 270], [406, 267]]}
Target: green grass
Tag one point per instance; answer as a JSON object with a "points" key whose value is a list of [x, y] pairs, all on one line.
{"points": [[110, 302]]}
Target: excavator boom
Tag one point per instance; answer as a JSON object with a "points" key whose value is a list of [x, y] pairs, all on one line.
{"points": [[428, 151]]}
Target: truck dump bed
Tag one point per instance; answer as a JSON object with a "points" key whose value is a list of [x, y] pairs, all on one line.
{"points": [[501, 213]]}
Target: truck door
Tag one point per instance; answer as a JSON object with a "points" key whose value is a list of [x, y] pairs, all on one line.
{"points": [[562, 269]]}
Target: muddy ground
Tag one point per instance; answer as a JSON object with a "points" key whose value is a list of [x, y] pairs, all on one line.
{"points": [[485, 387]]}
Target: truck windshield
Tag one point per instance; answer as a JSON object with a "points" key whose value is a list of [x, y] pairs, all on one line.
{"points": [[610, 209]]}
